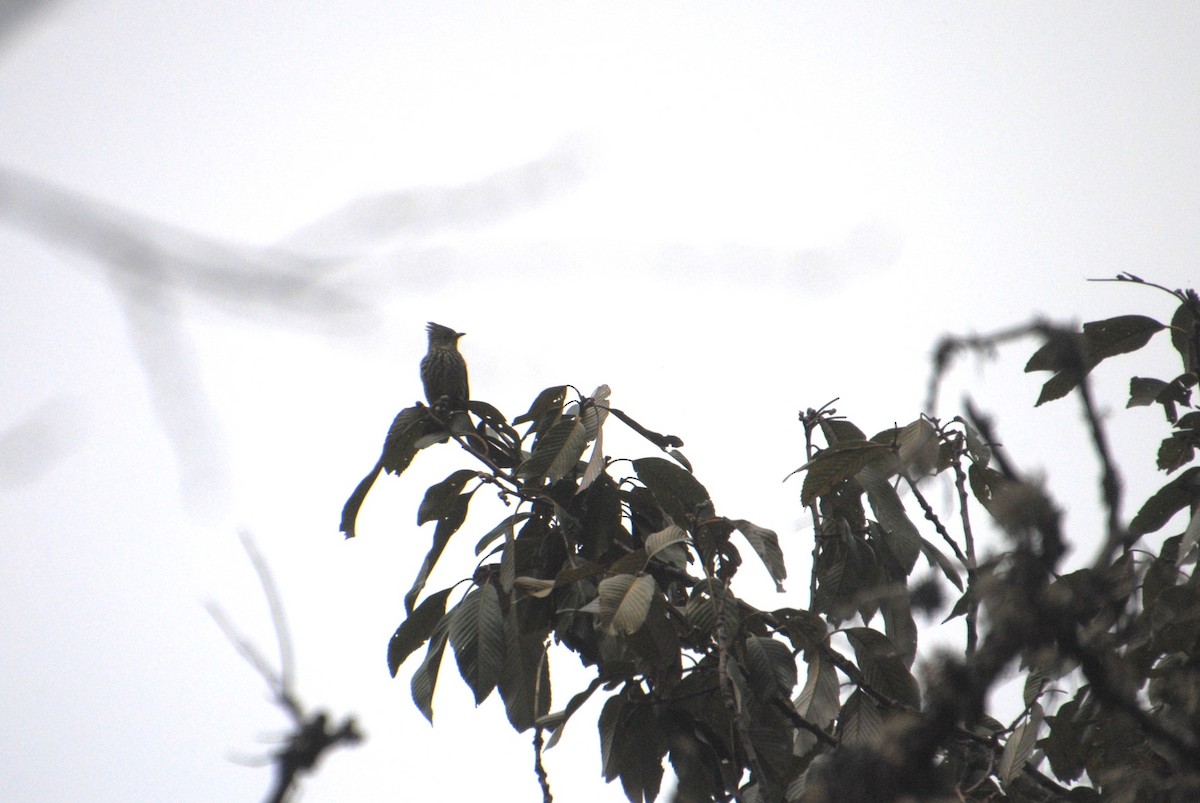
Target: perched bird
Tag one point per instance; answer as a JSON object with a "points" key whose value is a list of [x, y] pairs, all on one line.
{"points": [[443, 369]]}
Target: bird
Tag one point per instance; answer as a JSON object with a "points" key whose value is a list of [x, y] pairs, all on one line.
{"points": [[443, 369]]}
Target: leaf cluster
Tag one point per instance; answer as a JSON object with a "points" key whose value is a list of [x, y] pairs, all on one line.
{"points": [[628, 565]]}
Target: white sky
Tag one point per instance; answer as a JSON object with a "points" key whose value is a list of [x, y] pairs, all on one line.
{"points": [[727, 214]]}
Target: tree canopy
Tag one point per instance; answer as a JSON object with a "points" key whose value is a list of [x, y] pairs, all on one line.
{"points": [[627, 563]]}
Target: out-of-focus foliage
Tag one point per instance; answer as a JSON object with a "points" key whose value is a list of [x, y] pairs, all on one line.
{"points": [[628, 564]]}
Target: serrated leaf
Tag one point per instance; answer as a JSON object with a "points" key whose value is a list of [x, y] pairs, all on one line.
{"points": [[818, 702], [918, 447], [595, 465], [477, 635], [424, 680], [861, 722], [771, 665], [556, 452], [903, 539], [882, 665], [836, 464], [979, 449], [1168, 500], [455, 515], [765, 544], [595, 411], [624, 602], [416, 629], [1059, 385], [525, 682], [1020, 746], [677, 492], [440, 497], [672, 534], [840, 430]]}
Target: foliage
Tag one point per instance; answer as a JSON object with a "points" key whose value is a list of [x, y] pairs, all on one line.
{"points": [[628, 565]]}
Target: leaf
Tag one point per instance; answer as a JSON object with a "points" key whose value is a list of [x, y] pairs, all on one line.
{"points": [[840, 430], [818, 701], [525, 682], [903, 539], [663, 442], [882, 666], [898, 622], [439, 499], [401, 445], [1144, 391], [838, 463], [477, 635], [656, 542], [456, 514], [624, 602], [506, 525], [1183, 332], [979, 449], [677, 492], [424, 680], [772, 667], [595, 410], [416, 629], [534, 586], [918, 447], [1190, 536], [1120, 335], [556, 452], [557, 721], [765, 544], [861, 722], [1168, 500], [354, 502], [936, 557], [1020, 746], [595, 465], [549, 400]]}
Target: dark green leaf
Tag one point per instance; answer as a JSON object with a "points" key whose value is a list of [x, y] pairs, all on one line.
{"points": [[1176, 451], [898, 622], [557, 721], [549, 400], [506, 525], [1184, 333], [1060, 385], [1177, 494], [477, 635], [771, 665], [456, 514], [624, 602], [903, 540], [766, 545], [1120, 335], [350, 509], [818, 702], [439, 500], [839, 430], [860, 723], [424, 680], [525, 682], [416, 629], [1144, 391], [677, 492], [838, 463], [401, 445], [556, 452], [1020, 746], [936, 557], [882, 665]]}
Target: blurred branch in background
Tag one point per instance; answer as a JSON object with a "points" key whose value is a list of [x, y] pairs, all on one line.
{"points": [[155, 268], [311, 735]]}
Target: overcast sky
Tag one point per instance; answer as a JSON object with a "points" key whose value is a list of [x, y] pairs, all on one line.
{"points": [[224, 228]]}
